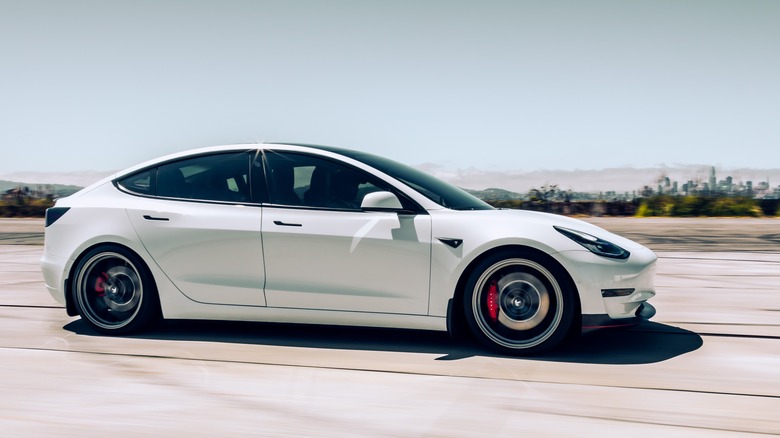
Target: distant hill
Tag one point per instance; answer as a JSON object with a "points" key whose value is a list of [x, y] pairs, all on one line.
{"points": [[78, 179], [623, 179], [58, 190], [494, 194]]}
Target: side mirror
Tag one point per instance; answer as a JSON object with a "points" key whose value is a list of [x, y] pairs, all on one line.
{"points": [[381, 201]]}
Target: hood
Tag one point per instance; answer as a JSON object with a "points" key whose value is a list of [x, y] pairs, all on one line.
{"points": [[537, 220]]}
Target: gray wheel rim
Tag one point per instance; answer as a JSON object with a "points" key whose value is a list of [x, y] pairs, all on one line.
{"points": [[529, 303], [109, 290]]}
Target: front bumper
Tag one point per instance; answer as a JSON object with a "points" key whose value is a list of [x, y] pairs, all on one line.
{"points": [[612, 293], [644, 312]]}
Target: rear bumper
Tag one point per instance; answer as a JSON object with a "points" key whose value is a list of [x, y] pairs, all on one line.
{"points": [[644, 312], [53, 270]]}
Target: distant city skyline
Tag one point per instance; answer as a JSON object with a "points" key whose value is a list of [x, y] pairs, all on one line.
{"points": [[751, 188], [621, 180], [728, 185]]}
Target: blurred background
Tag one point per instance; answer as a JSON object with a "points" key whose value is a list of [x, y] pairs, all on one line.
{"points": [[591, 96]]}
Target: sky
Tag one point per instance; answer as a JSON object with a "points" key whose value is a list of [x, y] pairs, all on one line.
{"points": [[484, 85]]}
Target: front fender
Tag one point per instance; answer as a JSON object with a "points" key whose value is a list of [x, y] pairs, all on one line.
{"points": [[482, 232]]}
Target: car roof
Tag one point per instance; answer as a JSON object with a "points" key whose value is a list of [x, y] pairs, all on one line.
{"points": [[226, 148]]}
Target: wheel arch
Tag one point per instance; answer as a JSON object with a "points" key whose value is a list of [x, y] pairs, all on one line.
{"points": [[456, 318], [70, 305]]}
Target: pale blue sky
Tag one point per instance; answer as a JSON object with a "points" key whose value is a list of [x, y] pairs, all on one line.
{"points": [[512, 85]]}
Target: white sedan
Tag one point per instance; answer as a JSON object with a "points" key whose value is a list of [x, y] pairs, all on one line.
{"points": [[321, 235]]}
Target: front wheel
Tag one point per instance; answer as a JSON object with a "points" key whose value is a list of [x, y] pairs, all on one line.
{"points": [[114, 292], [519, 303]]}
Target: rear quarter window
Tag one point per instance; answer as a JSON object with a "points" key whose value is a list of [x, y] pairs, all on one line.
{"points": [[141, 183]]}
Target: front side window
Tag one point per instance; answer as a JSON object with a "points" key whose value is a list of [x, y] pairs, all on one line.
{"points": [[309, 181], [429, 186]]}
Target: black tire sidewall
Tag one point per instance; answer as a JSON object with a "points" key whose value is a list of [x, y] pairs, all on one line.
{"points": [[148, 308], [564, 283]]}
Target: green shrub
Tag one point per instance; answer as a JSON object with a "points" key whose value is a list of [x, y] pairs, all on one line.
{"points": [[695, 206]]}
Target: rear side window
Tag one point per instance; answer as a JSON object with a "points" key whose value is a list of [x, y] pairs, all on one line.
{"points": [[219, 177], [223, 177]]}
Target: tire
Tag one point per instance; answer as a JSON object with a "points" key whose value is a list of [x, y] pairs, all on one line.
{"points": [[519, 302], [114, 292]]}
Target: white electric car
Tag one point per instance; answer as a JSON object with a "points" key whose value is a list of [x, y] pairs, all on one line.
{"points": [[321, 235]]}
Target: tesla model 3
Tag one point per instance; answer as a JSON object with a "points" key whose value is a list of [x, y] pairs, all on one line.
{"points": [[321, 235]]}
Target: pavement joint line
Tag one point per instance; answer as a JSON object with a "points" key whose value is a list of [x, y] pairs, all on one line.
{"points": [[713, 259], [720, 335], [693, 276], [28, 306], [733, 335], [16, 283], [718, 288], [653, 423], [398, 372], [742, 324]]}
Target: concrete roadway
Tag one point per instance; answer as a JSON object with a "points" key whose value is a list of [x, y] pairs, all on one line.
{"points": [[708, 366]]}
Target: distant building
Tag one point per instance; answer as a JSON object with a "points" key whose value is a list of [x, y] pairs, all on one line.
{"points": [[713, 181]]}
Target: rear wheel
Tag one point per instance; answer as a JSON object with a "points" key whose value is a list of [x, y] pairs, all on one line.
{"points": [[114, 292], [519, 302]]}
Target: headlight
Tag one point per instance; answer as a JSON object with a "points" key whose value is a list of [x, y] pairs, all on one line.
{"points": [[594, 244]]}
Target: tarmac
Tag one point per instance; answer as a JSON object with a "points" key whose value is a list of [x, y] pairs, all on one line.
{"points": [[707, 366]]}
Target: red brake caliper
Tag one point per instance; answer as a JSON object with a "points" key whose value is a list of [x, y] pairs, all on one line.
{"points": [[100, 284], [492, 301]]}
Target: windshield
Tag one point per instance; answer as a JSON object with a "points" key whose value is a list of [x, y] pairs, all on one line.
{"points": [[429, 186]]}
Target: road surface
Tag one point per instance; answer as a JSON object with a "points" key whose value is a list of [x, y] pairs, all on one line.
{"points": [[707, 366]]}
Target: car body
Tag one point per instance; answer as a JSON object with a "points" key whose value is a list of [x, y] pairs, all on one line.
{"points": [[321, 235]]}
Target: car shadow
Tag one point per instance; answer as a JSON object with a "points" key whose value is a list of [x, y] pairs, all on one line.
{"points": [[645, 343], [642, 344]]}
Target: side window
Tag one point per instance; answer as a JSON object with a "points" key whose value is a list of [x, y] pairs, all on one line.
{"points": [[305, 180], [221, 177]]}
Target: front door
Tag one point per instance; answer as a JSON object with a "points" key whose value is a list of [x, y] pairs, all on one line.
{"points": [[341, 260], [322, 252]]}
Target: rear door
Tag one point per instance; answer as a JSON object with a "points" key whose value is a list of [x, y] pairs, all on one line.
{"points": [[203, 229]]}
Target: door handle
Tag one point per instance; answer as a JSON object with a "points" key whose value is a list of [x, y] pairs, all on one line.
{"points": [[153, 218], [285, 224]]}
